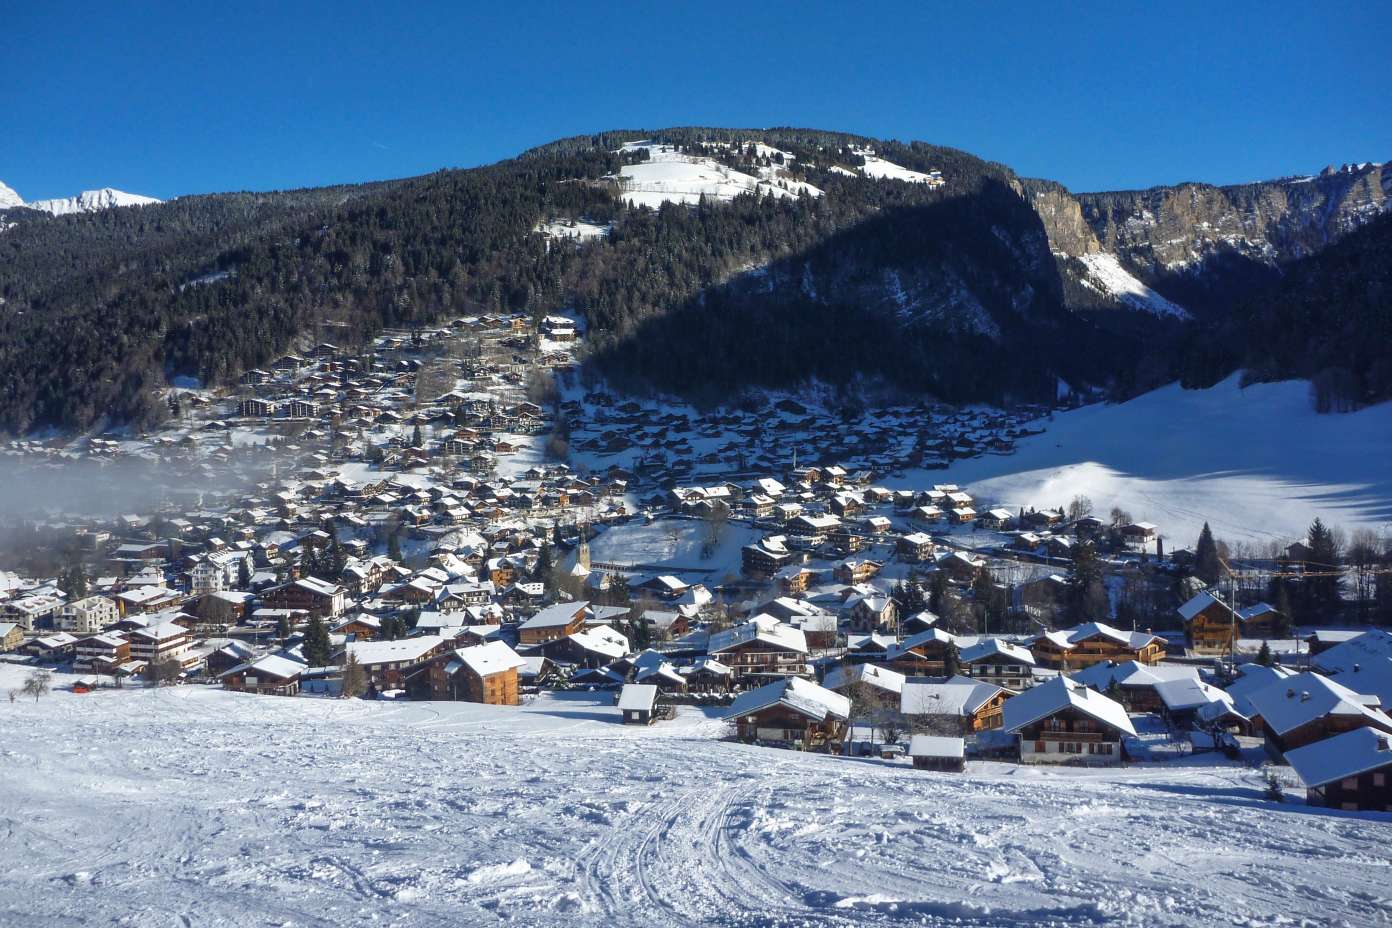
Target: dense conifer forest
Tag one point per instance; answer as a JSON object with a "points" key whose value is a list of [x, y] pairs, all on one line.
{"points": [[950, 291]]}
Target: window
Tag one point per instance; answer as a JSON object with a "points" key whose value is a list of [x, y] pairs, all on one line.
{"points": [[1349, 783], [1379, 779]]}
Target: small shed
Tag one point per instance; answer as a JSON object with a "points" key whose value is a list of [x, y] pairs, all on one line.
{"points": [[637, 702], [934, 752]]}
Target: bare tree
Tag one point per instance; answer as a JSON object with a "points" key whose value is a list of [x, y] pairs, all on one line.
{"points": [[37, 684], [162, 673], [1080, 506]]}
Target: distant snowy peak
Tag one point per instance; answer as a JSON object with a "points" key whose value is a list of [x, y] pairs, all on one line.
{"points": [[90, 201], [1106, 275], [8, 198]]}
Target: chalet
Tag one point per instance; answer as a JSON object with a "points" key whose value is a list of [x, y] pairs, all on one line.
{"points": [[101, 653], [915, 548], [813, 528], [958, 705], [1263, 620], [167, 641], [760, 648], [360, 627], [638, 703], [50, 648], [1310, 707], [961, 566], [998, 519], [936, 752], [1063, 721], [923, 654], [708, 675], [256, 408], [390, 665], [310, 594], [140, 600], [994, 660], [485, 673], [590, 648], [1094, 643], [1139, 533], [11, 636], [1209, 624], [794, 579], [1134, 684], [793, 712], [272, 675], [882, 686], [553, 623], [872, 612], [1351, 770], [88, 615], [766, 557], [852, 572]]}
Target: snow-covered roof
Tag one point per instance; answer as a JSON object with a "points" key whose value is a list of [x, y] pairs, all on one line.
{"points": [[762, 628], [559, 615], [937, 746], [959, 696], [1361, 649], [849, 674], [1187, 693], [386, 652], [637, 697], [1062, 693], [493, 657], [801, 696], [993, 647], [1132, 673], [1198, 603], [1288, 704], [273, 665], [1344, 755]]}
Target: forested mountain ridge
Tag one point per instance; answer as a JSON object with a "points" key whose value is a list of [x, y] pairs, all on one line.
{"points": [[964, 288]]}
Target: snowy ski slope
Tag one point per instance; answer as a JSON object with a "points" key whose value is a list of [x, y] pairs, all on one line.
{"points": [[1257, 463], [198, 807]]}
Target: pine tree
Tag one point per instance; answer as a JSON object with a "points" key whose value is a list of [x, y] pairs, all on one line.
{"points": [[318, 649], [394, 546], [952, 660], [1324, 559], [354, 678], [417, 439], [1207, 566], [244, 575], [283, 628], [1264, 655]]}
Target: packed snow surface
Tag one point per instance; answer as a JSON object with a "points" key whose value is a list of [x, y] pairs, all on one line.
{"points": [[670, 176], [1256, 463], [195, 806], [1106, 275]]}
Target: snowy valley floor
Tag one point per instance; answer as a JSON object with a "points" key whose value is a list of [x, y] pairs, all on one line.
{"points": [[198, 807]]}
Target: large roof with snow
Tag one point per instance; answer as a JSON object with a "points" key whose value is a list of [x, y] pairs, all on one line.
{"points": [[1060, 694]]}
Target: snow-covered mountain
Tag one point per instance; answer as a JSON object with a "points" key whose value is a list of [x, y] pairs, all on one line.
{"points": [[88, 201], [8, 197]]}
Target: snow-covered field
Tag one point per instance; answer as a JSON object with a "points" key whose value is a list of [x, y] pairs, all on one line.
{"points": [[669, 176], [198, 807], [1257, 463]]}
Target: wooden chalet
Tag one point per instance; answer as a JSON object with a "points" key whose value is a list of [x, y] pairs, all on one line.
{"points": [[485, 673], [1063, 721], [792, 712], [1089, 644], [1209, 624], [553, 623], [937, 752], [760, 648], [1350, 771], [959, 704], [1310, 707]]}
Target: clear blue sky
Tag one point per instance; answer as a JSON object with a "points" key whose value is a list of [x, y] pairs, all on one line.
{"points": [[170, 98]]}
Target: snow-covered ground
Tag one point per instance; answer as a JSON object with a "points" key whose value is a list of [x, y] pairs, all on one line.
{"points": [[669, 176], [578, 229], [1256, 464], [199, 807], [1106, 275]]}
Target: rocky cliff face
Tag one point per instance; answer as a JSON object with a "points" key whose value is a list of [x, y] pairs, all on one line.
{"points": [[1168, 231]]}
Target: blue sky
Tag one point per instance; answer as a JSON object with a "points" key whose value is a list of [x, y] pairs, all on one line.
{"points": [[171, 98]]}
